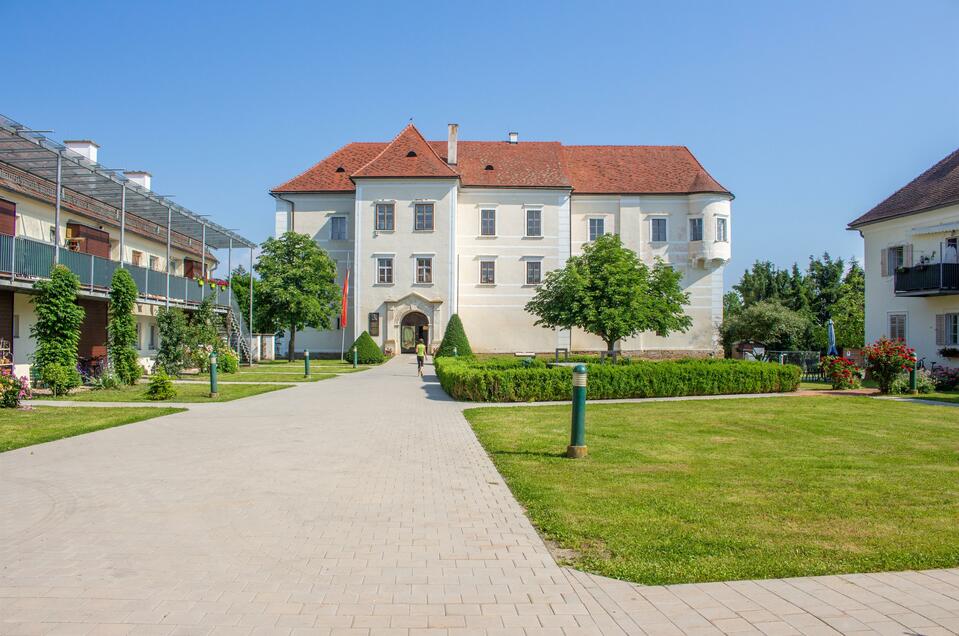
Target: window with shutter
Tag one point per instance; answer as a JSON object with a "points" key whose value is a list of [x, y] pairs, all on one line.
{"points": [[941, 329]]}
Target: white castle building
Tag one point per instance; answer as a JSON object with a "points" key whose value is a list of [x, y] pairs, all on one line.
{"points": [[431, 228]]}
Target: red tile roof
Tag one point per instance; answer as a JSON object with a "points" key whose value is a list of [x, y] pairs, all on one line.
{"points": [[527, 164], [936, 187]]}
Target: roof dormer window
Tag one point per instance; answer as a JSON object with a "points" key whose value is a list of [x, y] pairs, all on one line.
{"points": [[488, 167], [340, 169], [411, 153]]}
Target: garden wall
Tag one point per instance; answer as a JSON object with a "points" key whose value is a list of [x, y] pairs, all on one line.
{"points": [[510, 380]]}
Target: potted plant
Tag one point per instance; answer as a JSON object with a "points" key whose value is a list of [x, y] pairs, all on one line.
{"points": [[949, 352]]}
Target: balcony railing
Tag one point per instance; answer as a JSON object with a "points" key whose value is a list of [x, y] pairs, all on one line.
{"points": [[25, 260], [928, 279]]}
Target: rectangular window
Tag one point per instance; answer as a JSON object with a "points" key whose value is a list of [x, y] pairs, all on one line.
{"points": [[153, 337], [139, 337], [695, 229], [487, 222], [385, 217], [16, 325], [534, 222], [423, 213], [155, 263], [424, 270], [897, 327], [137, 258], [374, 326], [597, 227], [384, 271], [534, 272], [338, 228], [658, 233], [952, 329], [487, 272], [722, 230], [897, 257]]}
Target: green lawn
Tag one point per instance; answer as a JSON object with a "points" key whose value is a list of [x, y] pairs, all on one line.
{"points": [[815, 386], [696, 491], [20, 428], [941, 396], [184, 393], [264, 376]]}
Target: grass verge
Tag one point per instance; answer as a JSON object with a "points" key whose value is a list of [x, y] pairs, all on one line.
{"points": [[940, 396], [184, 393], [737, 489], [19, 428]]}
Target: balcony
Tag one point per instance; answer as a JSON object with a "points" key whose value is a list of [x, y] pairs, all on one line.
{"points": [[927, 279], [24, 260], [708, 253]]}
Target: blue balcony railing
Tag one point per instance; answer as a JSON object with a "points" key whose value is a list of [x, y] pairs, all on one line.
{"points": [[24, 259]]}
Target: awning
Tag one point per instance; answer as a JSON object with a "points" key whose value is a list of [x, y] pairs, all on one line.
{"points": [[942, 228], [36, 154]]}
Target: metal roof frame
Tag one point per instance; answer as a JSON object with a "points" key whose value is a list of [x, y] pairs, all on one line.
{"points": [[37, 154]]}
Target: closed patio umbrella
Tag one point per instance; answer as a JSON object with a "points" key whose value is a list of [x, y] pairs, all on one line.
{"points": [[831, 330]]}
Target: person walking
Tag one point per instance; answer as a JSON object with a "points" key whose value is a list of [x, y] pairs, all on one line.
{"points": [[420, 356]]}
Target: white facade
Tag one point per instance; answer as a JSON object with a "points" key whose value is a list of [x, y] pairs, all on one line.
{"points": [[925, 318], [461, 250]]}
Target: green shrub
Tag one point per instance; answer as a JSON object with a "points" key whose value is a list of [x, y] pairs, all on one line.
{"points": [[106, 380], [497, 380], [924, 382], [60, 378], [455, 336], [226, 361], [122, 328], [172, 327], [13, 390], [368, 352], [161, 387], [57, 328]]}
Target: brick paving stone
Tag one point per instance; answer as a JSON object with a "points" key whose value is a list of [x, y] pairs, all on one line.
{"points": [[361, 506]]}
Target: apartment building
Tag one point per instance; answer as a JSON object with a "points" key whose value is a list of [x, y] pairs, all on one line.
{"points": [[912, 266], [58, 204], [433, 228]]}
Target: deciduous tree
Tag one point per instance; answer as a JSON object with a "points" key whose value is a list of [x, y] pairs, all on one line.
{"points": [[122, 328]]}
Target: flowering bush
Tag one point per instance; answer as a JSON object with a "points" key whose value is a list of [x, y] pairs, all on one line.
{"points": [[842, 372], [924, 382], [13, 390], [885, 359], [946, 379]]}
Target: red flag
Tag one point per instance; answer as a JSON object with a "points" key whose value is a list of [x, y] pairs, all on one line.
{"points": [[346, 293]]}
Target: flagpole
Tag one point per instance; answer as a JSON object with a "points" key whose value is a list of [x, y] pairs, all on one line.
{"points": [[343, 318]]}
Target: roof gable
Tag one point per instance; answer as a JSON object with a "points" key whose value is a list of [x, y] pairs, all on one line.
{"points": [[408, 155], [936, 187]]}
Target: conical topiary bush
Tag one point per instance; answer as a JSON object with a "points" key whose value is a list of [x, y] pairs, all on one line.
{"points": [[367, 351], [455, 336]]}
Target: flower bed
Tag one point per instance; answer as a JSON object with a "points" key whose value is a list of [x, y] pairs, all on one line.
{"points": [[510, 380]]}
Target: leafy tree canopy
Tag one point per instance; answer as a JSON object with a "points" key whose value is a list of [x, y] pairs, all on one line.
{"points": [[768, 323], [122, 328], [607, 291], [297, 280], [59, 318]]}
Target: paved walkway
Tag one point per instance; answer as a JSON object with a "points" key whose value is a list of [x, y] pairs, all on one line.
{"points": [[361, 505]]}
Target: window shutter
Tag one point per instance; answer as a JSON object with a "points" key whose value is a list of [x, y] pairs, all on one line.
{"points": [[907, 256], [884, 262], [940, 329]]}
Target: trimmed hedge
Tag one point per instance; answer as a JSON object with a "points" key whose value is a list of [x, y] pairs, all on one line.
{"points": [[455, 336], [367, 351], [500, 380]]}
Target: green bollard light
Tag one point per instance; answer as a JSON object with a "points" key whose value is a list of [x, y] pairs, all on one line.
{"points": [[577, 436], [306, 363], [354, 357], [913, 380], [214, 392]]}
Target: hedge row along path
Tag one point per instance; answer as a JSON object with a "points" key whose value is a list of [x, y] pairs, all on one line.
{"points": [[358, 505]]}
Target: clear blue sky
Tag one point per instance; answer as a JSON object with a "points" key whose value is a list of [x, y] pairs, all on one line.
{"points": [[810, 112]]}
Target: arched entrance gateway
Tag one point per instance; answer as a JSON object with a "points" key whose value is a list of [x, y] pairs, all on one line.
{"points": [[413, 328]]}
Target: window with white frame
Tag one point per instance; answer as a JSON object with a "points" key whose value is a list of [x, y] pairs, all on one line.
{"points": [[338, 228], [384, 270], [657, 230], [534, 272], [952, 330], [695, 229], [597, 227], [897, 327], [423, 217], [487, 272], [488, 222], [385, 215], [424, 270], [722, 229], [896, 258], [155, 263], [534, 222]]}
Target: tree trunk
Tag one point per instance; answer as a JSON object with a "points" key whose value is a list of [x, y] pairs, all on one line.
{"points": [[610, 350], [291, 348]]}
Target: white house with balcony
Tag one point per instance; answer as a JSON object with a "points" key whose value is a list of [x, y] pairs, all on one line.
{"points": [[912, 266], [433, 228]]}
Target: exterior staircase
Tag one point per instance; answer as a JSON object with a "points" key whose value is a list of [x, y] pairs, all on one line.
{"points": [[236, 334]]}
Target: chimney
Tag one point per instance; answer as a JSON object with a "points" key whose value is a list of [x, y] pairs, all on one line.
{"points": [[514, 137], [83, 147], [451, 143], [140, 177]]}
